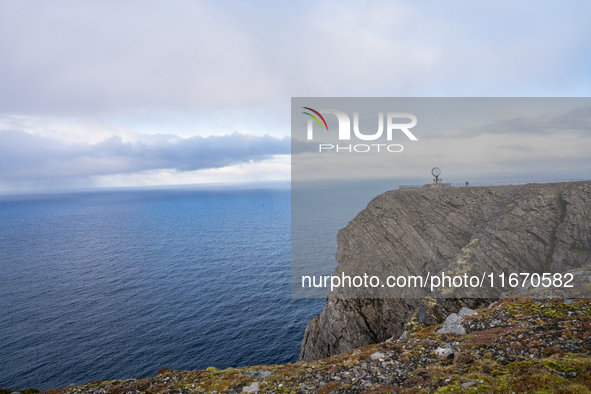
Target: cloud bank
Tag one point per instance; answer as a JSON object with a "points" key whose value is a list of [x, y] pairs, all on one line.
{"points": [[28, 157]]}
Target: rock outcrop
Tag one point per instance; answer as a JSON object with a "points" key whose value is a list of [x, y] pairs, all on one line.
{"points": [[528, 228]]}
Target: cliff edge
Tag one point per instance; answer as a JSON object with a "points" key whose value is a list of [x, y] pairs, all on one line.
{"points": [[526, 228]]}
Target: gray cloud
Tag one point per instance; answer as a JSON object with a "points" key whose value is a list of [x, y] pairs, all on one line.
{"points": [[24, 156], [74, 58], [576, 121]]}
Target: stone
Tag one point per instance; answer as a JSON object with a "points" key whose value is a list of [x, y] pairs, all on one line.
{"points": [[377, 356], [253, 388], [466, 312], [445, 351], [467, 384], [404, 335], [452, 325], [258, 374]]}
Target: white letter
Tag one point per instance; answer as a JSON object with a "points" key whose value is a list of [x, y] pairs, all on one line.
{"points": [[388, 281], [309, 281], [395, 151], [364, 137], [355, 280], [344, 123], [403, 283], [404, 126], [433, 280], [346, 277], [326, 146], [363, 151], [332, 284]]}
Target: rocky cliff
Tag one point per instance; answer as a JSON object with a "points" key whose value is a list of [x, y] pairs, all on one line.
{"points": [[528, 228]]}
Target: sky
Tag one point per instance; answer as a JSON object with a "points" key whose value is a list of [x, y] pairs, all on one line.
{"points": [[471, 139], [153, 93]]}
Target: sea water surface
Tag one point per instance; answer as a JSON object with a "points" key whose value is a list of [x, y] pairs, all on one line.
{"points": [[115, 285]]}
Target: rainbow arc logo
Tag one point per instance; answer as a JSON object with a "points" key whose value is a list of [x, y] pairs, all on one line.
{"points": [[315, 118]]}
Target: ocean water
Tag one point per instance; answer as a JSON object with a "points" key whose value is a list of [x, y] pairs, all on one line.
{"points": [[115, 285]]}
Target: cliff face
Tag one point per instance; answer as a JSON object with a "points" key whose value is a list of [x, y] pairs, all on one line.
{"points": [[529, 228]]}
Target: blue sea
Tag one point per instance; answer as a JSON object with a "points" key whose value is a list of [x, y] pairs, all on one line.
{"points": [[117, 284]]}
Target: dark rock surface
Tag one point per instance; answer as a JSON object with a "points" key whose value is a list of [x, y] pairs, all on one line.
{"points": [[529, 228]]}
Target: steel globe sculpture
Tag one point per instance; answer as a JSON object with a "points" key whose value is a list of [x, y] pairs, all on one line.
{"points": [[436, 172]]}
